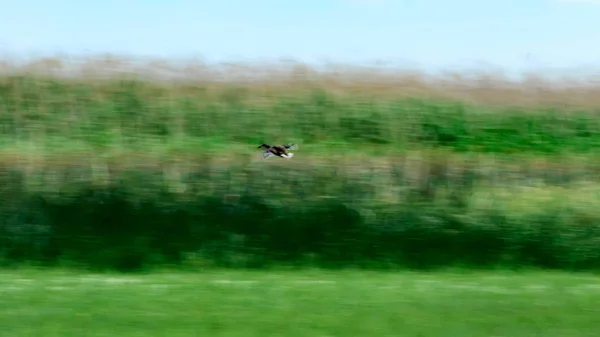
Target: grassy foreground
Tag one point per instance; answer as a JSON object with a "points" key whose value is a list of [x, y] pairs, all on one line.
{"points": [[308, 303]]}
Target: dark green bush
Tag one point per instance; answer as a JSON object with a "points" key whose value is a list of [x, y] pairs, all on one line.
{"points": [[276, 214]]}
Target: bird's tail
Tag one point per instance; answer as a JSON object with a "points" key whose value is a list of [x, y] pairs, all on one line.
{"points": [[292, 147]]}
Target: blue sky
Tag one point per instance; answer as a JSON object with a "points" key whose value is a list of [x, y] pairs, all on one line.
{"points": [[512, 34]]}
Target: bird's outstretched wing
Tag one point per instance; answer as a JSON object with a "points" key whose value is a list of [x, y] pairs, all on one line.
{"points": [[267, 154]]}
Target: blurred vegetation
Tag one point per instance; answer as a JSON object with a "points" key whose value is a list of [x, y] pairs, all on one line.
{"points": [[129, 173], [415, 212], [135, 114]]}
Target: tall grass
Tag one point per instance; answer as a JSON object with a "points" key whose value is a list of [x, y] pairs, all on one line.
{"points": [[126, 171], [134, 113]]}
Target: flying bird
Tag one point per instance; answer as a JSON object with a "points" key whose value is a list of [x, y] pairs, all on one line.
{"points": [[278, 150]]}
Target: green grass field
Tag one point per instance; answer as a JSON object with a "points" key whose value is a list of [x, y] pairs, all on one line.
{"points": [[294, 303]]}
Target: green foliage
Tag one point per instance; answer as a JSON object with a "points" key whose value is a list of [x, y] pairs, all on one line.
{"points": [[123, 174], [34, 108], [259, 214]]}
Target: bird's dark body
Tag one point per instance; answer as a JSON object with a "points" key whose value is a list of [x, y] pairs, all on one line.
{"points": [[278, 150]]}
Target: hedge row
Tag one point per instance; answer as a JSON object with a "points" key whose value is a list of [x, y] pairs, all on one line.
{"points": [[278, 213]]}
